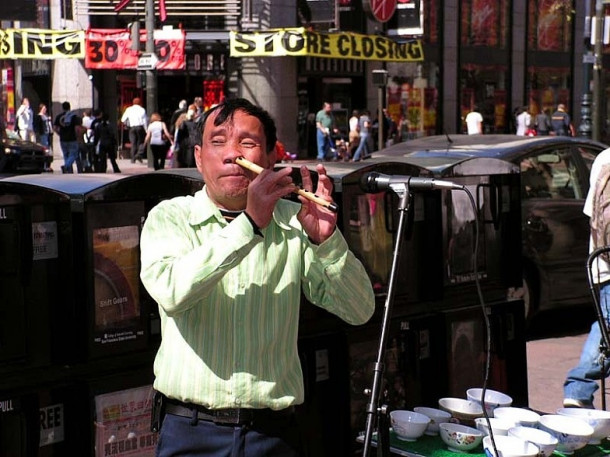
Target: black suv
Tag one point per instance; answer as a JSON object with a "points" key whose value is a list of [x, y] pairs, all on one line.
{"points": [[19, 156]]}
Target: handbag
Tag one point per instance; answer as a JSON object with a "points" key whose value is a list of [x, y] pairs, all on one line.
{"points": [[166, 140]]}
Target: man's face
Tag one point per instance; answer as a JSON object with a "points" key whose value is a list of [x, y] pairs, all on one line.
{"points": [[327, 108], [240, 136]]}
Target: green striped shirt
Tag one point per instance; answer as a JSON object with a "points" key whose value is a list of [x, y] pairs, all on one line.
{"points": [[229, 300]]}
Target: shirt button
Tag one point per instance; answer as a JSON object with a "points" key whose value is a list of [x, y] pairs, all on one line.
{"points": [[237, 402]]}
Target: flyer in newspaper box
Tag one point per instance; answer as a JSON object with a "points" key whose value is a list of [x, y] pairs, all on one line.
{"points": [[122, 426]]}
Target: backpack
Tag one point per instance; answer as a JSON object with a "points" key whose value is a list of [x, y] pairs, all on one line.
{"points": [[600, 217], [38, 125]]}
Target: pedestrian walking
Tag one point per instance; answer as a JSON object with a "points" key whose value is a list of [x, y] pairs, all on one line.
{"points": [[135, 119], [561, 122], [106, 144], [542, 122], [474, 122], [159, 139], [363, 150], [186, 139], [324, 124], [580, 384], [182, 107], [524, 120], [66, 124], [354, 133]]}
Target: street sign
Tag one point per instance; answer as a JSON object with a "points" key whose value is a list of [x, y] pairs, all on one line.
{"points": [[147, 61], [379, 10]]}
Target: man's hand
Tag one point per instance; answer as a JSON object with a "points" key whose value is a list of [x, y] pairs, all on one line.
{"points": [[319, 223], [263, 193]]}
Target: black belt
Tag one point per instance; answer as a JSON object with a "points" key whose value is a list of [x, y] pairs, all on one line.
{"points": [[235, 416]]}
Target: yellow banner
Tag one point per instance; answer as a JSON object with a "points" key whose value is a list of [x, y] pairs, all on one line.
{"points": [[343, 45], [42, 44]]}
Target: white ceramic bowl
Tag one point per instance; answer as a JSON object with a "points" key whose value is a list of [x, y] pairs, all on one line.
{"points": [[596, 418], [493, 399], [498, 426], [460, 438], [544, 440], [571, 433], [408, 425], [437, 416], [461, 409], [509, 446], [520, 416]]}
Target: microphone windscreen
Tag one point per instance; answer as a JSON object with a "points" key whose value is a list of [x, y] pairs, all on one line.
{"points": [[368, 182]]}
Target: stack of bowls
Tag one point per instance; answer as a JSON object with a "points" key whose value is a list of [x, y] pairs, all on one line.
{"points": [[436, 416], [408, 425], [545, 441], [520, 416], [598, 419], [498, 426], [571, 433], [493, 399]]}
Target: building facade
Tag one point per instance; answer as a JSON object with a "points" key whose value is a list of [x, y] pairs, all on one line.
{"points": [[497, 55]]}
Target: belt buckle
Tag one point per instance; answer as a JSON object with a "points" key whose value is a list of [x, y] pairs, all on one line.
{"points": [[231, 416]]}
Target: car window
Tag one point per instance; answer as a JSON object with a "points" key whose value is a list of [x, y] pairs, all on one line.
{"points": [[588, 155], [550, 174]]}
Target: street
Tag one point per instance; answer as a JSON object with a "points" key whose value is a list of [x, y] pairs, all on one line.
{"points": [[553, 348]]}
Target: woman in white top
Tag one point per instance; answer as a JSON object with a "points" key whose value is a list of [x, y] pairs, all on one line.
{"points": [[524, 119], [25, 121], [159, 139]]}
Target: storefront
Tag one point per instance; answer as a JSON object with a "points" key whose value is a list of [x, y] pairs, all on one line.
{"points": [[549, 44]]}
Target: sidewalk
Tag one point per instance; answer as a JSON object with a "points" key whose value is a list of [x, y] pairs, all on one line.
{"points": [[548, 361], [125, 165]]}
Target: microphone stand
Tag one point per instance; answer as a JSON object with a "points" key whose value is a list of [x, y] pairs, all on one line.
{"points": [[377, 413], [604, 344]]}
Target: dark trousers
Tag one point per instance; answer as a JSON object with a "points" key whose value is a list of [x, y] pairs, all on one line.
{"points": [[136, 138], [159, 152], [185, 436]]}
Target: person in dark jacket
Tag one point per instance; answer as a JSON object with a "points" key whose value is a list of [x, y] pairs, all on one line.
{"points": [[542, 123], [106, 144], [186, 139], [561, 122]]}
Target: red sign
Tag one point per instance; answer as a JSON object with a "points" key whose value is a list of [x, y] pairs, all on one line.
{"points": [[380, 10], [111, 49], [213, 93]]}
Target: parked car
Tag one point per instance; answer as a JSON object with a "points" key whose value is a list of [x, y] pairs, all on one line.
{"points": [[19, 156], [554, 184]]}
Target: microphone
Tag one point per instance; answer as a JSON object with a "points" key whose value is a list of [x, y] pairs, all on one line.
{"points": [[376, 182]]}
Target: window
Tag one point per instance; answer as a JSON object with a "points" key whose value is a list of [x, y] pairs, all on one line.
{"points": [[66, 10], [588, 155], [551, 174]]}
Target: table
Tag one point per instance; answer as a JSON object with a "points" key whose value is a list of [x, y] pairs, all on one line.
{"points": [[433, 446]]}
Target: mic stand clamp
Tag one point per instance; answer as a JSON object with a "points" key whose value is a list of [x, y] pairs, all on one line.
{"points": [[375, 412], [383, 431]]}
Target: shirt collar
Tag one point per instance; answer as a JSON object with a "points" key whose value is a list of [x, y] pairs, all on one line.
{"points": [[204, 209]]}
